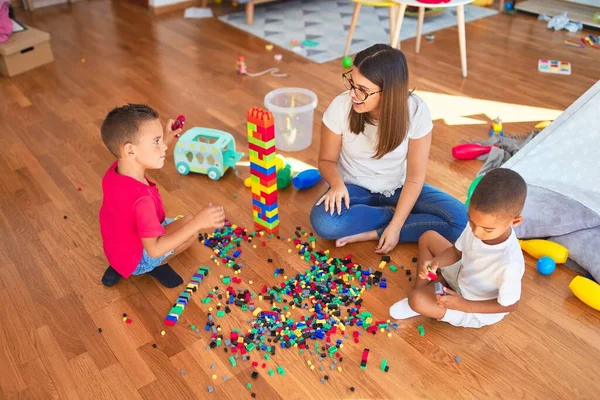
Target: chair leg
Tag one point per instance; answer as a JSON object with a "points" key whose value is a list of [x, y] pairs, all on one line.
{"points": [[460, 15], [420, 28], [501, 5], [352, 26], [398, 26], [250, 12], [393, 11], [204, 3]]}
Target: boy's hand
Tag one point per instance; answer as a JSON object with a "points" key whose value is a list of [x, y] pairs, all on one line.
{"points": [[433, 265], [451, 300], [211, 217], [170, 134]]}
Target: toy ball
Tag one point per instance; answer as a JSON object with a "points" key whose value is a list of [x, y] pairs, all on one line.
{"points": [[347, 62], [546, 265]]}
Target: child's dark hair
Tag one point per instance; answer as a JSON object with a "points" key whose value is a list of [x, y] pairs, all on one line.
{"points": [[500, 192], [121, 125]]}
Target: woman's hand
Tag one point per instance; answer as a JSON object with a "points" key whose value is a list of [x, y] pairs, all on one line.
{"points": [[334, 197], [389, 239]]}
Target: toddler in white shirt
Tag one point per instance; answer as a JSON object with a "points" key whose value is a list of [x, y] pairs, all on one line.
{"points": [[481, 273]]}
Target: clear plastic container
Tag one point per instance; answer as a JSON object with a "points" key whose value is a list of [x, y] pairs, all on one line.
{"points": [[293, 110]]}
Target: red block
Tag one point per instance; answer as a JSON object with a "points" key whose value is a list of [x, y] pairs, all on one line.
{"points": [[261, 150]]}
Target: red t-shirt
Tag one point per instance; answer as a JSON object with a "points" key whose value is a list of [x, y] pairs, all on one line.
{"points": [[130, 211]]}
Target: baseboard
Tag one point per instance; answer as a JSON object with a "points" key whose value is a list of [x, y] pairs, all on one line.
{"points": [[175, 7]]}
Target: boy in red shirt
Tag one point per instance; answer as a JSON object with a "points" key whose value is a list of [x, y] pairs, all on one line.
{"points": [[136, 236]]}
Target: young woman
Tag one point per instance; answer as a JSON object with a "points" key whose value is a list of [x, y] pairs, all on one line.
{"points": [[375, 142]]}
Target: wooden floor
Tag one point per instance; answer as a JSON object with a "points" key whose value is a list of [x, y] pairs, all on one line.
{"points": [[51, 299]]}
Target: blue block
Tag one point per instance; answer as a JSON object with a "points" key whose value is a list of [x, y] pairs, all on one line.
{"points": [[265, 207], [262, 170]]}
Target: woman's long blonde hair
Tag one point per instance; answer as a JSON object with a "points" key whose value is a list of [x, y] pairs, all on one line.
{"points": [[386, 67]]}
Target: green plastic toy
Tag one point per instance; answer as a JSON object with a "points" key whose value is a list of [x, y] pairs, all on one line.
{"points": [[347, 62], [472, 189], [284, 177]]}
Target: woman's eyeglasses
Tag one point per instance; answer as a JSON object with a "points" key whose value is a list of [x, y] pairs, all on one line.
{"points": [[358, 92]]}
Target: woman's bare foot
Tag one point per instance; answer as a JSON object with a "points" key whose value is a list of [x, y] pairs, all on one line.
{"points": [[359, 237]]}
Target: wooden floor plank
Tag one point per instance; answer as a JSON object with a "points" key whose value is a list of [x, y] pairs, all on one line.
{"points": [[51, 299]]}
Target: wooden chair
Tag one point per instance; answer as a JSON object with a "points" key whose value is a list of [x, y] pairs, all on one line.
{"points": [[392, 6]]}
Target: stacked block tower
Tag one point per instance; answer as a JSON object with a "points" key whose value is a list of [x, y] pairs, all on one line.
{"points": [[261, 151]]}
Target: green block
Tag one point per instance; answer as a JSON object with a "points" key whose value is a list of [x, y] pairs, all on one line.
{"points": [[226, 280], [249, 386], [421, 330], [271, 372], [383, 364], [280, 370], [393, 268], [261, 144], [232, 361], [267, 357], [244, 307], [250, 347], [251, 126], [220, 313]]}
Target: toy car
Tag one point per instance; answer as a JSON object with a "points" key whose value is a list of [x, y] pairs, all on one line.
{"points": [[206, 151]]}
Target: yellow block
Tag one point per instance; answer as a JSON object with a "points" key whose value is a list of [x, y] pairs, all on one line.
{"points": [[257, 189], [263, 164], [272, 213]]}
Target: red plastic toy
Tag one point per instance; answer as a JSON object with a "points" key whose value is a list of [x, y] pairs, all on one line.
{"points": [[179, 122], [469, 151]]}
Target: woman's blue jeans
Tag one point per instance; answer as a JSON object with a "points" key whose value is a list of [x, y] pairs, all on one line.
{"points": [[433, 211]]}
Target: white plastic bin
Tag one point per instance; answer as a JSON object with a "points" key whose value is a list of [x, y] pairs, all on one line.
{"points": [[293, 110]]}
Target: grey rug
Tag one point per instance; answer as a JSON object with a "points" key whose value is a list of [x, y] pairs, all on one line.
{"points": [[326, 22]]}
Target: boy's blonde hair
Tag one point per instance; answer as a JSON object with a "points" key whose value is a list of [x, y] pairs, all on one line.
{"points": [[121, 125]]}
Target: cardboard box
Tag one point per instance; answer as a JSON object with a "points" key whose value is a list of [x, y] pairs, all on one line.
{"points": [[25, 50]]}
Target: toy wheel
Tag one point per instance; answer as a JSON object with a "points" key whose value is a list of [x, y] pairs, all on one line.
{"points": [[183, 168], [214, 174]]}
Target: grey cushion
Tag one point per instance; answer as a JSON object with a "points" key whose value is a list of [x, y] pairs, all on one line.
{"points": [[548, 213], [583, 248]]}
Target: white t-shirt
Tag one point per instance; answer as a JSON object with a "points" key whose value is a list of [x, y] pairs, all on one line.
{"points": [[490, 271], [356, 163]]}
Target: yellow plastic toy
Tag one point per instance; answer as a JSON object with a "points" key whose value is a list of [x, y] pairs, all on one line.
{"points": [[587, 291], [542, 125], [483, 3], [539, 248]]}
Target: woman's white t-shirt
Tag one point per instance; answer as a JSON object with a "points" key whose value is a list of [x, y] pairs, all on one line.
{"points": [[356, 163]]}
